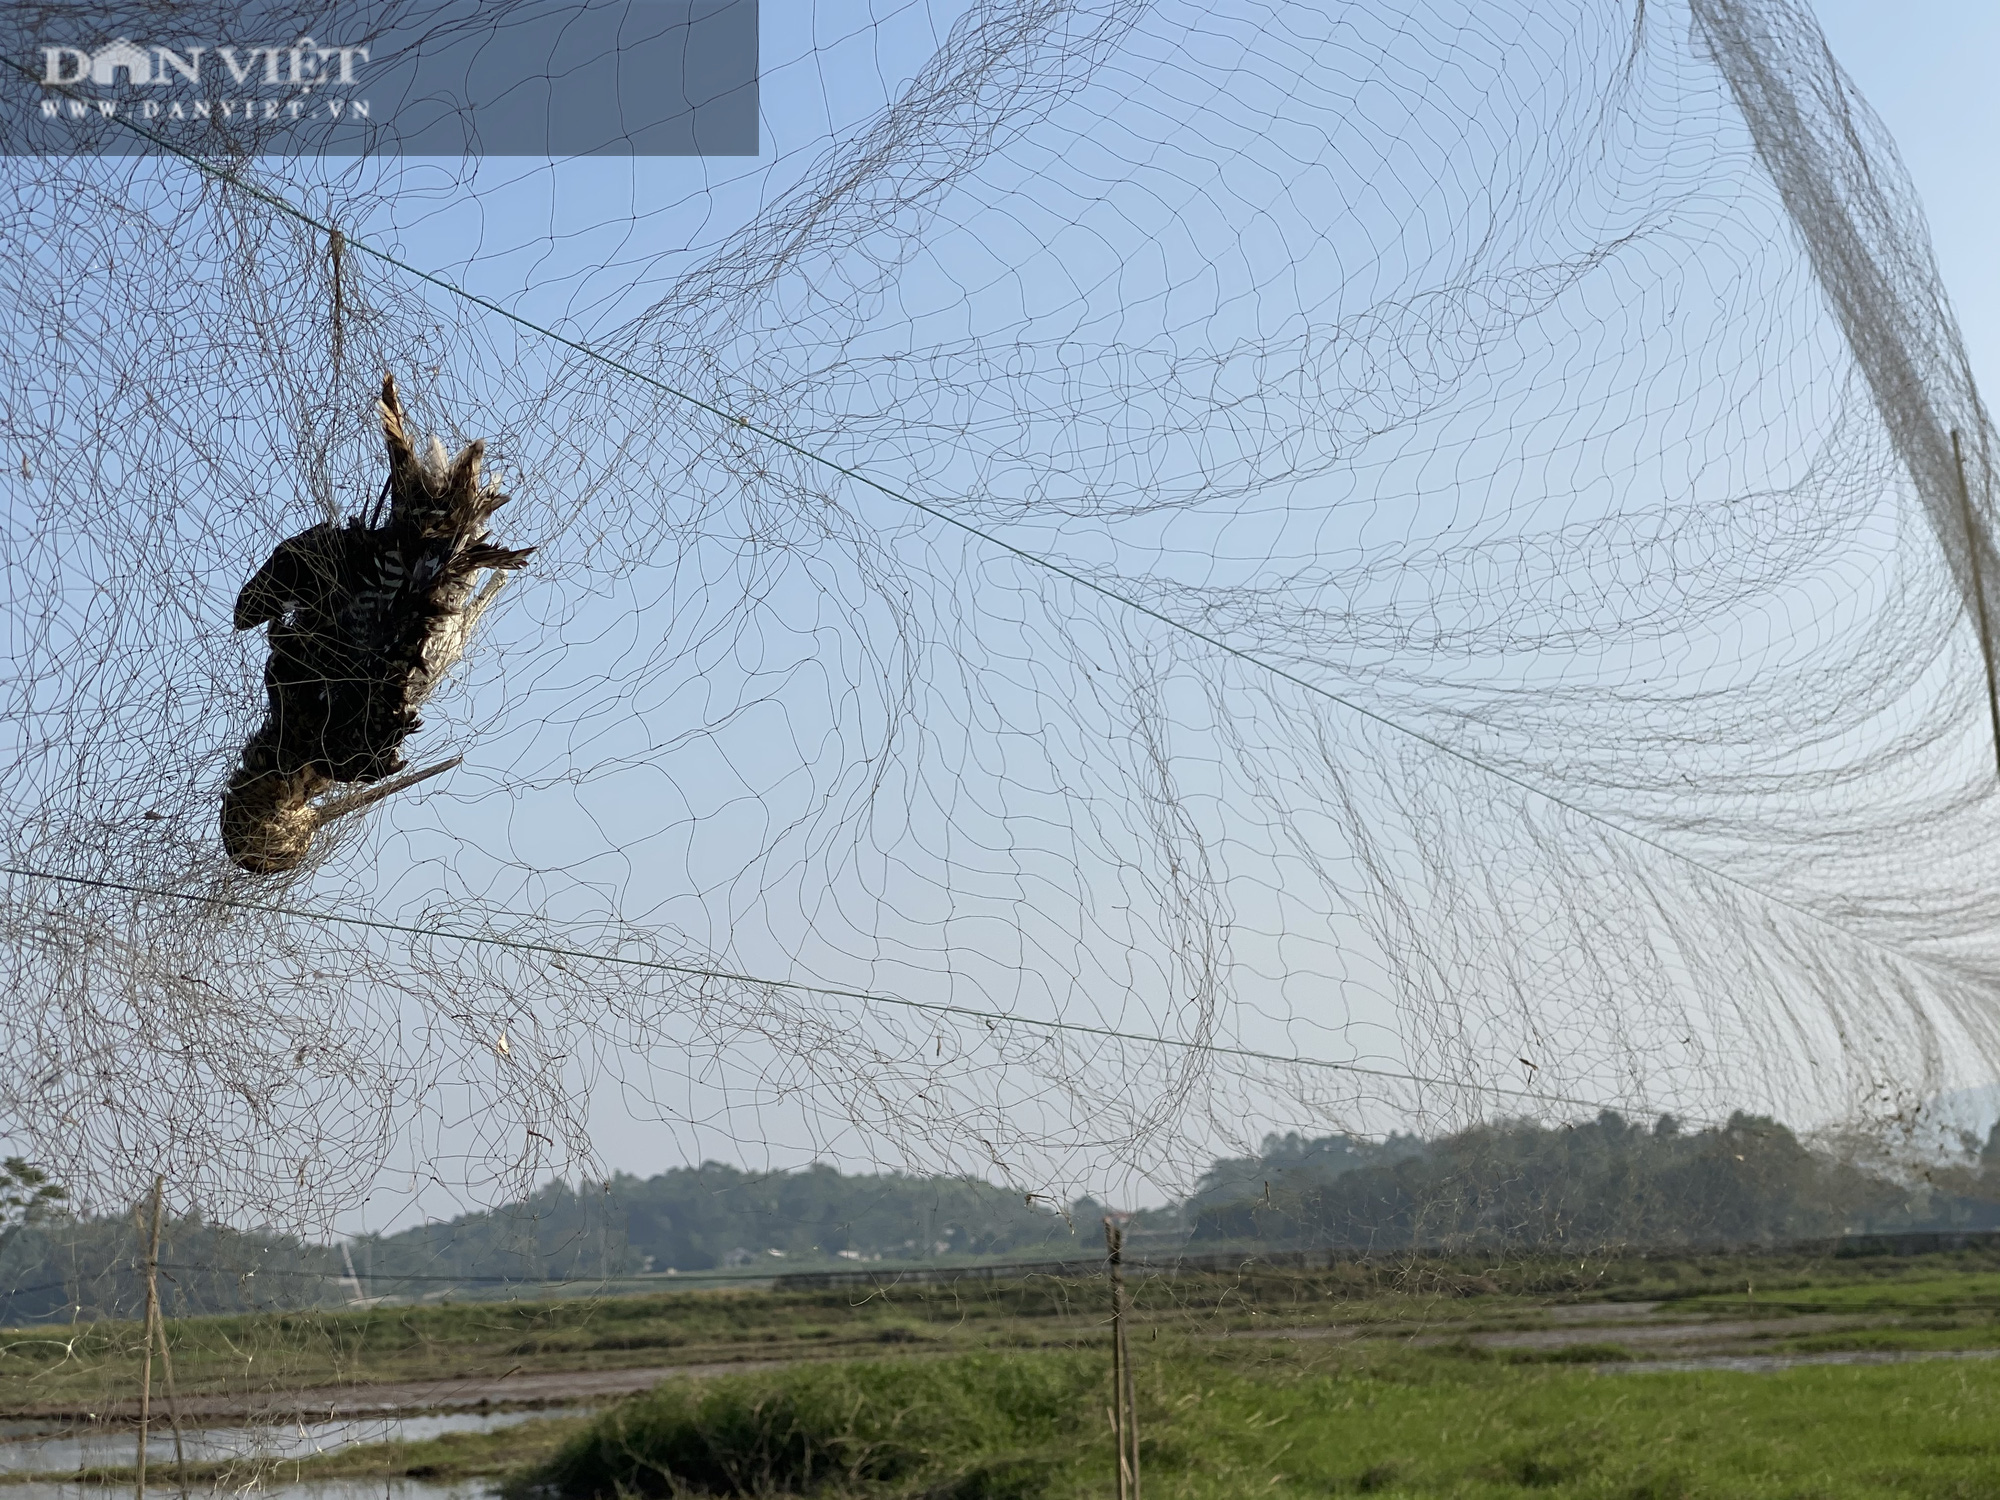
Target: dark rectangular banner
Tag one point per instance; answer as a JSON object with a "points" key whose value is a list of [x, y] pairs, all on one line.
{"points": [[543, 78]]}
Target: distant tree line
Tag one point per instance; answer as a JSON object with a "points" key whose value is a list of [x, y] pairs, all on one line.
{"points": [[57, 1267], [1598, 1184], [1601, 1183], [717, 1217], [713, 1217]]}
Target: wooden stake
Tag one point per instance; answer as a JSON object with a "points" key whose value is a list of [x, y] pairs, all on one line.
{"points": [[1973, 540], [1124, 1404]]}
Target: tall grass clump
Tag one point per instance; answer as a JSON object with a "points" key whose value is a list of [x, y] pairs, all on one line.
{"points": [[976, 1427]]}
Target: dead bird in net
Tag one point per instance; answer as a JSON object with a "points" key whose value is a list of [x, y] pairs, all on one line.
{"points": [[366, 618]]}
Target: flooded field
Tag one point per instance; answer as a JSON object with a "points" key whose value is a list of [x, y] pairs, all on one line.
{"points": [[318, 1489], [29, 1447]]}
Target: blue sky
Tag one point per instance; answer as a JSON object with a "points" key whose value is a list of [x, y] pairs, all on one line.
{"points": [[1924, 68], [1928, 67], [614, 799]]}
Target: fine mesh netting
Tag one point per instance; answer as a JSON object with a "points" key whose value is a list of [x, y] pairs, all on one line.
{"points": [[1146, 574]]}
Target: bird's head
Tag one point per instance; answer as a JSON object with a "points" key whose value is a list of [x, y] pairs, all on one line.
{"points": [[269, 816], [268, 819]]}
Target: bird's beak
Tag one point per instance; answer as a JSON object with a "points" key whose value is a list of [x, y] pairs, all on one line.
{"points": [[353, 802]]}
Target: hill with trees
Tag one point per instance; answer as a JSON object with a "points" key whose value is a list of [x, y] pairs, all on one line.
{"points": [[1600, 1184]]}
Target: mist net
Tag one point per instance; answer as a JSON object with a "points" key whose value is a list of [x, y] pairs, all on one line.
{"points": [[1145, 573]]}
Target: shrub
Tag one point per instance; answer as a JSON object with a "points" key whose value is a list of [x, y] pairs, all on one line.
{"points": [[957, 1427]]}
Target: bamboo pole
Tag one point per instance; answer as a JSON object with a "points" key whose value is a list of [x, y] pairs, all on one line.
{"points": [[1973, 543], [336, 246], [152, 1314], [1124, 1405], [1111, 1250], [336, 249], [167, 1379], [1125, 1361]]}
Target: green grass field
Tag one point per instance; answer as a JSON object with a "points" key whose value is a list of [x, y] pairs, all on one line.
{"points": [[1285, 1424], [1428, 1379], [1226, 1423]]}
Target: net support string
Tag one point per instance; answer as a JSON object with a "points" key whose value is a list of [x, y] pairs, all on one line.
{"points": [[696, 971]]}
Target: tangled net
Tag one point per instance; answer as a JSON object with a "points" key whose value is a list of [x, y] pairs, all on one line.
{"points": [[1182, 569]]}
